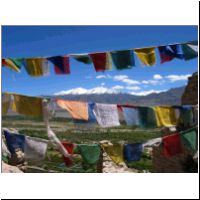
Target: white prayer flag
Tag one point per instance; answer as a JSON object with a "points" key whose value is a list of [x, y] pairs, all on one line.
{"points": [[106, 115], [35, 148]]}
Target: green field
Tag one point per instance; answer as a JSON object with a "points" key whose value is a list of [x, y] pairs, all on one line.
{"points": [[67, 130]]}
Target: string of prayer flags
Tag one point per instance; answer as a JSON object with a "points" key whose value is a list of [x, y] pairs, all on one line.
{"points": [[123, 59], [13, 63], [6, 101], [133, 152], [77, 109], [115, 152], [172, 145], [89, 152], [190, 50], [70, 149], [106, 115], [147, 56], [147, 117], [29, 106], [169, 52], [189, 139], [165, 116], [36, 66], [84, 58], [61, 64], [101, 61], [131, 116]]}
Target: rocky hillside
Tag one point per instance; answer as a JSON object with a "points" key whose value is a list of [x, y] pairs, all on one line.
{"points": [[190, 95]]}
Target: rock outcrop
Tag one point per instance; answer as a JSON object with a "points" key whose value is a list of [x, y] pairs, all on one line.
{"points": [[190, 95]]}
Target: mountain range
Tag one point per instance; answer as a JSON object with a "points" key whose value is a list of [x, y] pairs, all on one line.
{"points": [[170, 97]]}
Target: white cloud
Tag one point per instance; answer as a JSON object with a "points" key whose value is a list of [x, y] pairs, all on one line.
{"points": [[131, 82], [174, 78], [120, 77], [102, 84], [144, 93], [133, 88], [145, 82], [151, 82], [125, 79], [118, 87], [101, 76], [157, 77]]}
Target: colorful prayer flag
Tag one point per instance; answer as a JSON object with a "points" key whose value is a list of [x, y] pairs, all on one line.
{"points": [[36, 66], [29, 106], [14, 141], [165, 116], [169, 52], [77, 109], [189, 139], [89, 152], [147, 117], [190, 50], [172, 145], [84, 58], [115, 152], [101, 61], [131, 116], [70, 149], [133, 152], [147, 56], [106, 115], [13, 63], [123, 59], [61, 64]]}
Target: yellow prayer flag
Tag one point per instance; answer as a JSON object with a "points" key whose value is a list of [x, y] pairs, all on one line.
{"points": [[78, 110], [165, 116], [115, 152], [29, 106], [35, 66], [146, 55]]}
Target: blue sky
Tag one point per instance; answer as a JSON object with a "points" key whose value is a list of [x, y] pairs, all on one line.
{"points": [[30, 41]]}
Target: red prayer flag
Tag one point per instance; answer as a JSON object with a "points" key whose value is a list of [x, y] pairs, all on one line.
{"points": [[65, 68], [172, 145], [99, 61], [3, 62], [70, 148]]}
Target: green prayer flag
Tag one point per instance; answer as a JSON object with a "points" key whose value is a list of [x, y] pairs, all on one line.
{"points": [[89, 152], [19, 62], [83, 58], [147, 117], [123, 59], [190, 50], [189, 139]]}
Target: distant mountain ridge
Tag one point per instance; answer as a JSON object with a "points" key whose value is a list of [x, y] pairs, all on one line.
{"points": [[170, 97]]}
